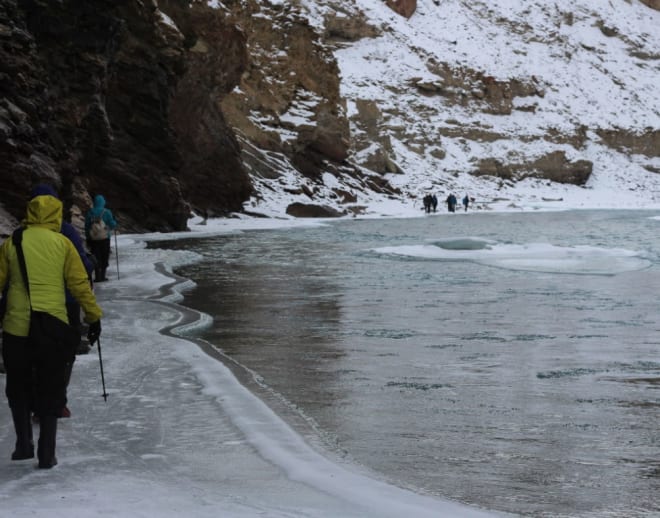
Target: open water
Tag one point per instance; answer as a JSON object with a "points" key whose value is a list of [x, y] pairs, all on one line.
{"points": [[508, 360]]}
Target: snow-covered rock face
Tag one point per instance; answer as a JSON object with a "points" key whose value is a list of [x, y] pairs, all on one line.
{"points": [[339, 106], [504, 99]]}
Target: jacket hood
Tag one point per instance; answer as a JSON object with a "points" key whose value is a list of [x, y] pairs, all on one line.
{"points": [[44, 211], [41, 189], [99, 202]]}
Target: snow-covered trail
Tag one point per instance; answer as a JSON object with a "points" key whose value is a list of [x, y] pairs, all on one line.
{"points": [[179, 435]]}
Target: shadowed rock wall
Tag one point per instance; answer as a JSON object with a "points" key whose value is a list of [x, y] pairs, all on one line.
{"points": [[92, 98]]}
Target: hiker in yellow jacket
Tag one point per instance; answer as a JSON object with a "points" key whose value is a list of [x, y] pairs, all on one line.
{"points": [[36, 374]]}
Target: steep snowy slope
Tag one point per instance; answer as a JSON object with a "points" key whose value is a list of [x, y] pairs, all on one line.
{"points": [[524, 101]]}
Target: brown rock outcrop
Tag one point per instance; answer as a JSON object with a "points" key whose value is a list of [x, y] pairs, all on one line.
{"points": [[466, 86], [553, 166], [653, 4], [295, 94], [348, 26], [403, 7], [645, 142]]}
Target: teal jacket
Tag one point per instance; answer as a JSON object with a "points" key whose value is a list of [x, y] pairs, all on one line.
{"points": [[99, 208]]}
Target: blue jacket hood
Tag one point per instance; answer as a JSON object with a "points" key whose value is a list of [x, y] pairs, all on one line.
{"points": [[99, 202], [43, 189]]}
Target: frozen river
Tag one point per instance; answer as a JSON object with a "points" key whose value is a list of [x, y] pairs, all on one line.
{"points": [[506, 360]]}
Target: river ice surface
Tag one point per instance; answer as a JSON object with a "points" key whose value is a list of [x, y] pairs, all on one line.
{"points": [[509, 361], [179, 435]]}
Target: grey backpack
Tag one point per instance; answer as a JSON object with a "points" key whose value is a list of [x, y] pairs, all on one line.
{"points": [[98, 230]]}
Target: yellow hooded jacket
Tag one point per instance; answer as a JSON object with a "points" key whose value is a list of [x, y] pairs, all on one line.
{"points": [[52, 263]]}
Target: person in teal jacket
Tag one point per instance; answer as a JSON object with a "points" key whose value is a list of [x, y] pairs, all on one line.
{"points": [[99, 245]]}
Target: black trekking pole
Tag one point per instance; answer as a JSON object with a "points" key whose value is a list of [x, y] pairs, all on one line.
{"points": [[105, 394], [117, 254]]}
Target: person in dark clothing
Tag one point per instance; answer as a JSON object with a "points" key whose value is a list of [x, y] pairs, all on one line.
{"points": [[434, 202], [99, 244], [466, 202], [72, 306], [427, 203], [451, 203], [36, 370]]}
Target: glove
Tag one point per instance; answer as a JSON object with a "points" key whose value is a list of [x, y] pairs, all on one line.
{"points": [[94, 332]]}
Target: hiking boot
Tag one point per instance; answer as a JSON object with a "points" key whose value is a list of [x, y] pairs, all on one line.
{"points": [[23, 426], [47, 440], [83, 349], [23, 452], [48, 463]]}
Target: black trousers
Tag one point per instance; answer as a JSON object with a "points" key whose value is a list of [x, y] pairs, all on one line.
{"points": [[101, 251], [36, 378], [73, 313]]}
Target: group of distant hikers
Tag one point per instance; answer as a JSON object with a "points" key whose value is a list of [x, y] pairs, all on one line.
{"points": [[430, 202], [46, 279]]}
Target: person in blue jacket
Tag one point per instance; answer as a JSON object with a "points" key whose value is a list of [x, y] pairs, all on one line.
{"points": [[99, 245]]}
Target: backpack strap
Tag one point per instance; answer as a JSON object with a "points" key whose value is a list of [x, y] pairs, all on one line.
{"points": [[17, 239]]}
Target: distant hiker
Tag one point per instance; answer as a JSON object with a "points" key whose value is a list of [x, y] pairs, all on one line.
{"points": [[39, 263], [99, 224], [427, 203], [466, 202], [451, 203], [434, 202]]}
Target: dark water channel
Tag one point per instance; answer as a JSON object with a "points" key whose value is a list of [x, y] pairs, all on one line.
{"points": [[506, 360]]}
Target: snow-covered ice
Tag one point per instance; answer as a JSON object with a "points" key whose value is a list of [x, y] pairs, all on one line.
{"points": [[179, 435]]}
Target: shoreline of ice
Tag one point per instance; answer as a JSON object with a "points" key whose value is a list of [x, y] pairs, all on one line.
{"points": [[276, 440], [180, 434]]}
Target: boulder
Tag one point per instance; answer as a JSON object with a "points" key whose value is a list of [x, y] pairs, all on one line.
{"points": [[348, 26], [309, 210], [405, 8]]}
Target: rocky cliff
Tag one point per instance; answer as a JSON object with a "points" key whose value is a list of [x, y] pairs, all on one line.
{"points": [[167, 107], [116, 98], [174, 106]]}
